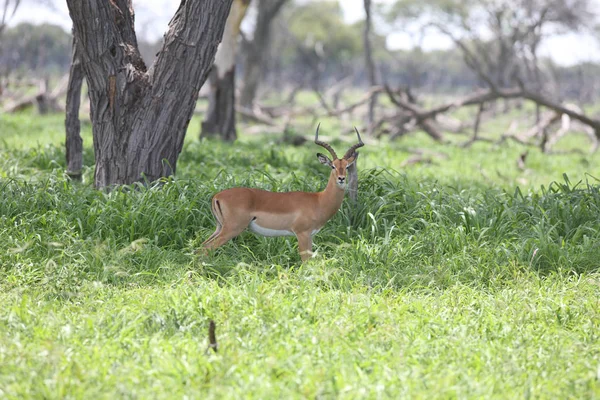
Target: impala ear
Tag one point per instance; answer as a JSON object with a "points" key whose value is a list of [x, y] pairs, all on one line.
{"points": [[352, 159], [323, 159]]}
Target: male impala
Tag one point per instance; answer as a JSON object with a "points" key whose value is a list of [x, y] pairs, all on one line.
{"points": [[283, 214]]}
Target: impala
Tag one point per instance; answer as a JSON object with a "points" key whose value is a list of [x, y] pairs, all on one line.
{"points": [[301, 214]]}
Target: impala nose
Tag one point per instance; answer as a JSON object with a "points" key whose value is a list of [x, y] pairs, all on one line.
{"points": [[341, 179]]}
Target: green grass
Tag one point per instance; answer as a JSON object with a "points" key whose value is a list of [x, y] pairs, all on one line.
{"points": [[463, 278]]}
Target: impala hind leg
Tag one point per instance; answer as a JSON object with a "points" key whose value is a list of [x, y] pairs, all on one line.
{"points": [[212, 237], [222, 236], [304, 245], [218, 215], [225, 230]]}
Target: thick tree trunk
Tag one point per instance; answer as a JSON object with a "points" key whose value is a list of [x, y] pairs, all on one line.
{"points": [[220, 117], [74, 142], [139, 116], [257, 50]]}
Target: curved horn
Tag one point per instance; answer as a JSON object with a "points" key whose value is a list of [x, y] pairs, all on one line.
{"points": [[356, 146], [323, 144]]}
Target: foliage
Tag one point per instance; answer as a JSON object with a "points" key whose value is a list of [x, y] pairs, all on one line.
{"points": [[451, 281], [467, 14], [321, 24], [500, 40], [46, 50], [314, 37], [42, 48]]}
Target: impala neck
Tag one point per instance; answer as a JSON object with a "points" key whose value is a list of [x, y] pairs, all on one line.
{"points": [[332, 196]]}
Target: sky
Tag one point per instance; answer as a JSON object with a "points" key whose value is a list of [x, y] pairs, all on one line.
{"points": [[152, 17]]}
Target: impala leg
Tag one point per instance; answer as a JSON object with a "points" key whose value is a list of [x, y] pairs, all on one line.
{"points": [[203, 250], [224, 231], [218, 218], [222, 237], [304, 245], [212, 237]]}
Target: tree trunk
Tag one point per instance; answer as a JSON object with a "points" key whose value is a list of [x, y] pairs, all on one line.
{"points": [[257, 50], [252, 73], [74, 142], [139, 115], [220, 117], [370, 65], [353, 181]]}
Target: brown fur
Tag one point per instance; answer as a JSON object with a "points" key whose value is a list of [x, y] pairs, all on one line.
{"points": [[302, 213]]}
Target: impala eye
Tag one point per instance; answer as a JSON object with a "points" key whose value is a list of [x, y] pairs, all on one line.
{"points": [[333, 167]]}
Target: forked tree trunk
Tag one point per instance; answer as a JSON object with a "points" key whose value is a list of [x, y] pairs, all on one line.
{"points": [[140, 116], [220, 117], [74, 142]]}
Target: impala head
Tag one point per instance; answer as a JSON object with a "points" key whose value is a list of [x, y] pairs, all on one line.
{"points": [[339, 166]]}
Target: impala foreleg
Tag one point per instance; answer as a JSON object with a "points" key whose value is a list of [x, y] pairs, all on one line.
{"points": [[304, 245]]}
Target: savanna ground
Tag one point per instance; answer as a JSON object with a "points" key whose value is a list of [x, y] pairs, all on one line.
{"points": [[463, 278]]}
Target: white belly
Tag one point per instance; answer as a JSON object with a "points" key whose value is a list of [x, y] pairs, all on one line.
{"points": [[254, 227]]}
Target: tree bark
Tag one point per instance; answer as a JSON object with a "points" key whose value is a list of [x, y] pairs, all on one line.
{"points": [[353, 181], [220, 117], [139, 115], [74, 142], [257, 50], [370, 65]]}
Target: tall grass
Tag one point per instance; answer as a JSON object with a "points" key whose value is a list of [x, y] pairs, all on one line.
{"points": [[441, 282], [441, 234]]}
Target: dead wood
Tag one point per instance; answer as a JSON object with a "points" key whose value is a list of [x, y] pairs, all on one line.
{"points": [[46, 101], [424, 117], [255, 114]]}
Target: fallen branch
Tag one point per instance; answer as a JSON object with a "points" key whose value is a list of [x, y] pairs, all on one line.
{"points": [[424, 117], [255, 115], [44, 100]]}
